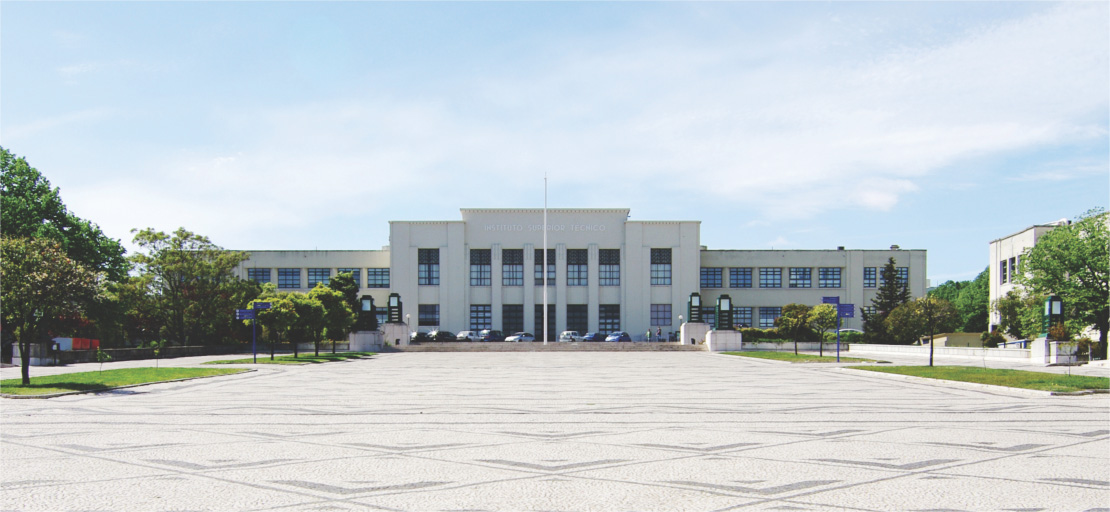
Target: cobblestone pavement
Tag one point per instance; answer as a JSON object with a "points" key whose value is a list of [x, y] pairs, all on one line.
{"points": [[554, 431]]}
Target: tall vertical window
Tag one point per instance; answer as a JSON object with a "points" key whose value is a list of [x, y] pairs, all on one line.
{"points": [[318, 275], [767, 317], [828, 277], [661, 266], [770, 278], [660, 314], [709, 315], [609, 271], [1013, 268], [1002, 276], [740, 278], [550, 322], [711, 277], [289, 278], [427, 315], [609, 318], [480, 270], [258, 275], [578, 267], [427, 270], [512, 268], [512, 318], [578, 318], [550, 267], [377, 278], [801, 277], [902, 273], [870, 279], [481, 317], [742, 316], [356, 274]]}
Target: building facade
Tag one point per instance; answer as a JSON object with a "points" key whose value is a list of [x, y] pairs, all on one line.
{"points": [[1005, 256], [604, 273]]}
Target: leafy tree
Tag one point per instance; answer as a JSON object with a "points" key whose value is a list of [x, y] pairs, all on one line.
{"points": [[1020, 314], [925, 315], [1073, 261], [309, 323], [794, 322], [892, 292], [971, 299], [39, 283], [822, 318], [191, 284], [345, 284], [338, 317], [278, 320], [33, 209]]}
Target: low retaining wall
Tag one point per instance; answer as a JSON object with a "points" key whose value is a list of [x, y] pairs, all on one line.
{"points": [[996, 354], [128, 354], [538, 346], [788, 346]]}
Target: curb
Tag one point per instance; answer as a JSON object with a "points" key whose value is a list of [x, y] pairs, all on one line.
{"points": [[975, 386], [55, 395]]}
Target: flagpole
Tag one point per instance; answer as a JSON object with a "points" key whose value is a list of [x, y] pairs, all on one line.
{"points": [[545, 258]]}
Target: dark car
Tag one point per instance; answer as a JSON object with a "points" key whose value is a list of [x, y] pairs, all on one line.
{"points": [[619, 336], [418, 336], [490, 335], [593, 336], [441, 336]]}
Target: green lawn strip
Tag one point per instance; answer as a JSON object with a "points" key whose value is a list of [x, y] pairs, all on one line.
{"points": [[301, 359], [798, 358], [999, 377], [108, 379]]}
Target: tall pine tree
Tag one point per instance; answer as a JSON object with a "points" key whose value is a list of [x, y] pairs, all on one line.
{"points": [[893, 292]]}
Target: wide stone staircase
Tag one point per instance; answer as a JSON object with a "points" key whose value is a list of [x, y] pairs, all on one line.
{"points": [[538, 346]]}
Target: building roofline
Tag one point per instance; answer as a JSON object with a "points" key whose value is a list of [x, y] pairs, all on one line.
{"points": [[1016, 233]]}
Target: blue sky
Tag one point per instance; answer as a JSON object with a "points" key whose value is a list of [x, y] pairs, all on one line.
{"points": [[937, 126]]}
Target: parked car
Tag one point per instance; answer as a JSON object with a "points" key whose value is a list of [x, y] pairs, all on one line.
{"points": [[468, 336], [418, 336], [619, 336], [569, 336], [491, 335], [438, 335], [521, 336], [593, 336]]}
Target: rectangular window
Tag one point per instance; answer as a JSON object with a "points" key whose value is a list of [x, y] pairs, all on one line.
{"points": [[550, 267], [550, 322], [377, 278], [512, 268], [578, 267], [356, 274], [904, 275], [512, 318], [801, 277], [660, 314], [742, 316], [289, 278], [868, 310], [609, 271], [428, 315], [318, 275], [869, 277], [711, 277], [578, 318], [427, 271], [767, 317], [259, 275], [1002, 275], [828, 277], [609, 318], [740, 278], [709, 315], [770, 278], [661, 267], [480, 269], [481, 317]]}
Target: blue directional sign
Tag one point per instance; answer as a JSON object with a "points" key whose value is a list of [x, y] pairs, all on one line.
{"points": [[846, 310], [261, 305], [244, 314], [830, 300]]}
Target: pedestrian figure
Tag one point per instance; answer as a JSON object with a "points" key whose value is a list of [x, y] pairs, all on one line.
{"points": [[659, 333], [649, 335]]}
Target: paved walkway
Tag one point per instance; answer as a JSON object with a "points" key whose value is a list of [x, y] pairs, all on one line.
{"points": [[554, 431]]}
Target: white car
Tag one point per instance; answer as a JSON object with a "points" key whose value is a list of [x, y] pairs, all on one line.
{"points": [[468, 336], [521, 336], [570, 336]]}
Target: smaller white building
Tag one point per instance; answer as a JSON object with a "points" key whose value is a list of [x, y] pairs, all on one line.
{"points": [[1005, 256]]}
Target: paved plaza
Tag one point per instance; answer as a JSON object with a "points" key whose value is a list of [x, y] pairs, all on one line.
{"points": [[566, 431]]}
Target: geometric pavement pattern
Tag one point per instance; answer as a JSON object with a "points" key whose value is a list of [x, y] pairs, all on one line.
{"points": [[551, 431]]}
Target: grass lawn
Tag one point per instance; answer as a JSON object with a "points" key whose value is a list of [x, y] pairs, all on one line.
{"points": [[304, 358], [998, 377], [799, 358], [108, 379]]}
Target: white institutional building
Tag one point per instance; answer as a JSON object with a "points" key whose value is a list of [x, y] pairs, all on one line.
{"points": [[605, 273]]}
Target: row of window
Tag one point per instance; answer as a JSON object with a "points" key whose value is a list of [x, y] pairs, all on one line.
{"points": [[512, 267], [291, 277], [799, 277]]}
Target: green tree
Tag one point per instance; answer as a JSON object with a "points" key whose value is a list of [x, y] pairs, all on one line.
{"points": [[191, 283], [278, 320], [1020, 314], [1073, 261], [892, 292], [31, 208], [338, 317], [822, 318], [920, 317], [309, 323], [971, 299], [38, 284], [794, 322]]}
